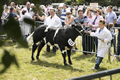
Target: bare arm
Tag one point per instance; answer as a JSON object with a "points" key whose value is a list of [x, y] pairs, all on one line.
{"points": [[41, 18], [115, 21], [85, 24], [71, 20], [65, 21]]}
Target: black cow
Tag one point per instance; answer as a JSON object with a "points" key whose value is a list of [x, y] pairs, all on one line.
{"points": [[63, 37]]}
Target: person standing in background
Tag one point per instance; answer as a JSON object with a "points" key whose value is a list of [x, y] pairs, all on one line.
{"points": [[94, 25], [63, 15], [111, 16]]}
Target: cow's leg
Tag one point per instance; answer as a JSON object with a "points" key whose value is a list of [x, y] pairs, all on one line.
{"points": [[63, 54], [69, 54], [34, 47], [41, 45]]}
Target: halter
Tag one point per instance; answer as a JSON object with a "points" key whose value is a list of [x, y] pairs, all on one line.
{"points": [[80, 30]]}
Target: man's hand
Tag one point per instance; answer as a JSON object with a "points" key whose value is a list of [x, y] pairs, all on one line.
{"points": [[102, 40], [88, 32], [90, 26]]}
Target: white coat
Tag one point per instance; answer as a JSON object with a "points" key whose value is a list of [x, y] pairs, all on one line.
{"points": [[25, 27], [103, 46]]}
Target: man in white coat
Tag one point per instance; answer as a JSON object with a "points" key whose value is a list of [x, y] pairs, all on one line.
{"points": [[104, 38], [28, 9], [52, 21], [25, 27]]}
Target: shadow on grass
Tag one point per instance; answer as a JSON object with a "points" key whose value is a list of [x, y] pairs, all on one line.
{"points": [[54, 65], [101, 69], [48, 54], [81, 57]]}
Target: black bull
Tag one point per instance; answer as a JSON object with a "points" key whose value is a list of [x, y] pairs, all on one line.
{"points": [[63, 37]]}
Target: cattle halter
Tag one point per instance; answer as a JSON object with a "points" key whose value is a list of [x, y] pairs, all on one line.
{"points": [[79, 31]]}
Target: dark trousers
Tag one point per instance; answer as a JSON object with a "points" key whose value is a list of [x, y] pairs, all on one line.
{"points": [[113, 42], [63, 24], [84, 44], [94, 43], [118, 44], [54, 48]]}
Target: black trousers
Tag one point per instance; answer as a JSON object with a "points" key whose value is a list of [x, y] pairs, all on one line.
{"points": [[94, 43]]}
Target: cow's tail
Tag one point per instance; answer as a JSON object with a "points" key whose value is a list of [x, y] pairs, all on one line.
{"points": [[29, 37]]}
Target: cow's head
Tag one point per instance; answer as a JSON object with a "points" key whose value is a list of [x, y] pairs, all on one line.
{"points": [[79, 28]]}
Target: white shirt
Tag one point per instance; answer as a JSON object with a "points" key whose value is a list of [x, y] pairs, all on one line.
{"points": [[54, 22]]}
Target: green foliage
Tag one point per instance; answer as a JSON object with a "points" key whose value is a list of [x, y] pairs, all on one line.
{"points": [[79, 0]]}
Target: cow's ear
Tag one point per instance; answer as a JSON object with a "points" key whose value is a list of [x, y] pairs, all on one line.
{"points": [[73, 25]]}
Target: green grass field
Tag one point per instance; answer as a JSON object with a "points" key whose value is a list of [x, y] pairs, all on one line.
{"points": [[50, 66]]}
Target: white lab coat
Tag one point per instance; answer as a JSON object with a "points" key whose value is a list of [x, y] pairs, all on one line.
{"points": [[25, 27], [102, 46], [54, 22]]}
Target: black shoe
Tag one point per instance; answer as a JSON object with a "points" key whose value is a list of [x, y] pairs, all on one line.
{"points": [[76, 48], [94, 68]]}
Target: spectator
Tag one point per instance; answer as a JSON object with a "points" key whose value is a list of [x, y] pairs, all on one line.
{"points": [[110, 27], [63, 14], [13, 14], [118, 37], [111, 16], [5, 14], [89, 14], [94, 25], [39, 17], [59, 11], [5, 6], [69, 19], [32, 5], [28, 9], [105, 37], [25, 27], [53, 21], [12, 4], [82, 19]]}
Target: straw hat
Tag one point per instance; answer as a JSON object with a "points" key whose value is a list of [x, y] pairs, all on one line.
{"points": [[68, 10]]}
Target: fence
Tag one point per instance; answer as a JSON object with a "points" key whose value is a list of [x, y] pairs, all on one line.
{"points": [[98, 75], [85, 44], [91, 45]]}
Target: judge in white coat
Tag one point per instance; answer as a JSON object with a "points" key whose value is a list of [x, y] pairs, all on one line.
{"points": [[104, 38], [25, 27], [28, 10]]}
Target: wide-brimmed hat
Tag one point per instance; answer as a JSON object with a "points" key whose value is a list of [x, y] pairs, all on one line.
{"points": [[68, 11]]}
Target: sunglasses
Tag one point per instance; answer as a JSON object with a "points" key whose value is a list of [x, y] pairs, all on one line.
{"points": [[95, 11], [91, 10], [67, 13]]}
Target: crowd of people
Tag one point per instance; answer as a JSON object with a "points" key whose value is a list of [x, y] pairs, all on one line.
{"points": [[64, 16]]}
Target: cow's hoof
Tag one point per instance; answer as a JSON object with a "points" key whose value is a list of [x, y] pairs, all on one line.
{"points": [[37, 57], [33, 59], [70, 63], [65, 64]]}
